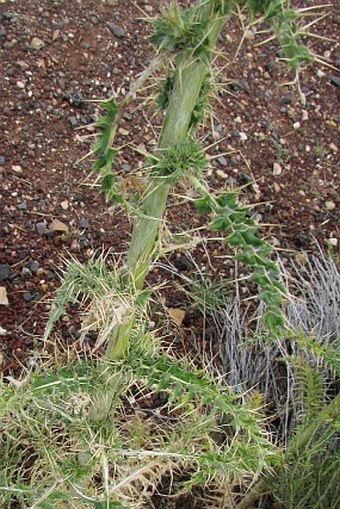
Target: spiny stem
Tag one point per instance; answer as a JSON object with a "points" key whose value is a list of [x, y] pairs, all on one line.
{"points": [[189, 77]]}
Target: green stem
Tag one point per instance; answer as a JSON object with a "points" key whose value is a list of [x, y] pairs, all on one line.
{"points": [[188, 82], [189, 77]]}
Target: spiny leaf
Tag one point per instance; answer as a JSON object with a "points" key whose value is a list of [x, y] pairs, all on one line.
{"points": [[205, 204], [105, 153], [274, 320], [232, 218], [179, 161], [178, 30]]}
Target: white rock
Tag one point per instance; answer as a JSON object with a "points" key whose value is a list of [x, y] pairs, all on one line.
{"points": [[221, 174], [37, 43], [58, 226], [3, 296], [277, 169], [330, 205], [243, 136]]}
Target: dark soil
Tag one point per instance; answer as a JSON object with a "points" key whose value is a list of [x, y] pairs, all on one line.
{"points": [[84, 51]]}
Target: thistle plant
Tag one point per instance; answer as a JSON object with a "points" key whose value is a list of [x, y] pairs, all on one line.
{"points": [[56, 452], [90, 425], [188, 38]]}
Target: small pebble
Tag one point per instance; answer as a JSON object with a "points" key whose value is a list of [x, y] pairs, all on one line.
{"points": [[37, 43], [117, 30], [222, 175], [41, 227], [3, 296], [33, 266], [5, 271], [222, 161], [277, 169], [84, 223], [330, 205], [58, 226], [73, 121], [335, 80], [94, 19], [26, 272]]}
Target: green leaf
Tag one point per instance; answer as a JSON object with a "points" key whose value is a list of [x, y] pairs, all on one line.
{"points": [[274, 320], [110, 106], [205, 204], [164, 92], [143, 297], [238, 216], [250, 237], [180, 161], [235, 239], [271, 297], [221, 224], [256, 257], [257, 6], [229, 200], [262, 277], [178, 30], [99, 164]]}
